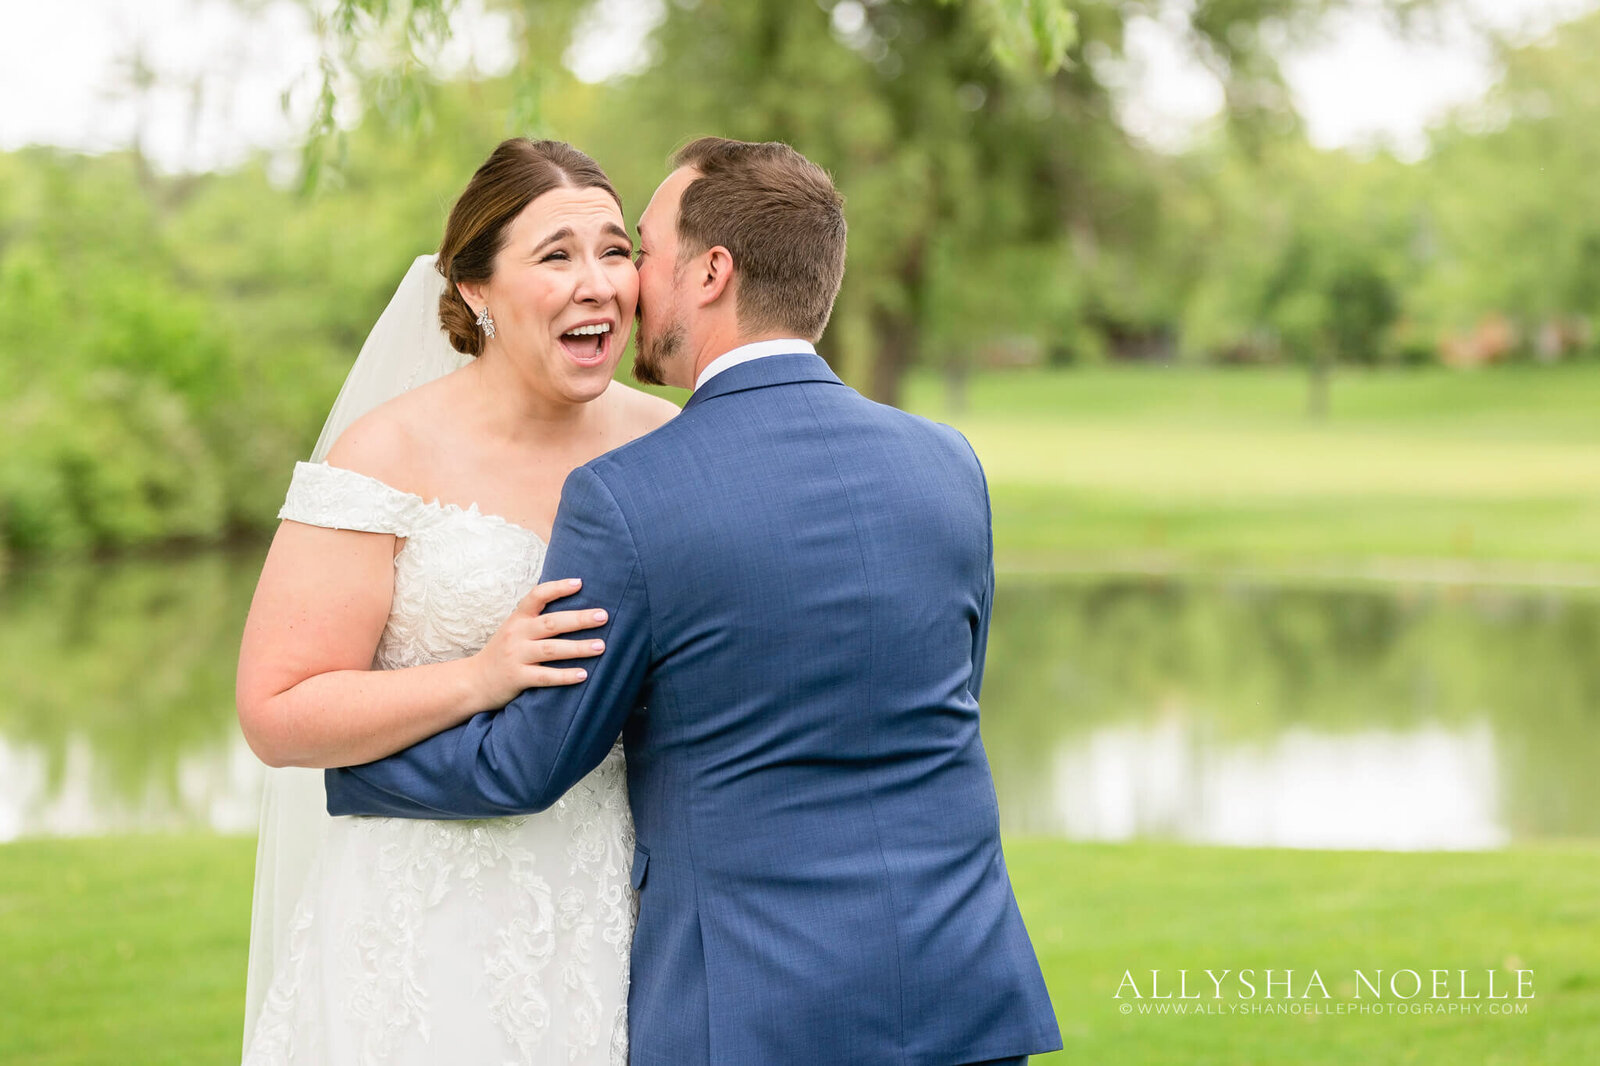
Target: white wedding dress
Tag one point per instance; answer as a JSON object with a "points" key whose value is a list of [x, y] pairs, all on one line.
{"points": [[425, 942]]}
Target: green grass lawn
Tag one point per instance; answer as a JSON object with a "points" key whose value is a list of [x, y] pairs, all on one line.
{"points": [[133, 950], [127, 950], [1096, 911], [1495, 472]]}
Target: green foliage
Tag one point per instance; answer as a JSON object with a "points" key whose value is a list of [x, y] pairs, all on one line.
{"points": [[1305, 253], [168, 345], [1029, 35], [118, 385], [1513, 207], [1312, 254]]}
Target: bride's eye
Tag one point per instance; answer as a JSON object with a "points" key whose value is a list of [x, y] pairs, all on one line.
{"points": [[553, 255], [620, 251]]}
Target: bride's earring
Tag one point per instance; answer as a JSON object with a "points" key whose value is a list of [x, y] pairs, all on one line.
{"points": [[486, 323]]}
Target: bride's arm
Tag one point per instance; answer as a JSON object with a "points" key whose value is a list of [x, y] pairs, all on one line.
{"points": [[307, 694]]}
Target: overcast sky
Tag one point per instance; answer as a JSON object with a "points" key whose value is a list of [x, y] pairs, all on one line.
{"points": [[63, 72]]}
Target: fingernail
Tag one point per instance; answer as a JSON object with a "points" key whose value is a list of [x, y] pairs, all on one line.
{"points": [[574, 582], [582, 675], [599, 616], [598, 645]]}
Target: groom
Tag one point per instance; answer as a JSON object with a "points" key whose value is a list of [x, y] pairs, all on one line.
{"points": [[798, 584]]}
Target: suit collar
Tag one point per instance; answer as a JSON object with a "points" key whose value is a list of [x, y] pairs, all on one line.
{"points": [[760, 373], [746, 352]]}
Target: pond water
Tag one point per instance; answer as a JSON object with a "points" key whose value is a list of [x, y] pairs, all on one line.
{"points": [[1114, 708]]}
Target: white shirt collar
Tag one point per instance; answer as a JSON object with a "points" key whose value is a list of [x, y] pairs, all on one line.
{"points": [[746, 352]]}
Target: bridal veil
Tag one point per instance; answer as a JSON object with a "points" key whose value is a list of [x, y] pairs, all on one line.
{"points": [[406, 348]]}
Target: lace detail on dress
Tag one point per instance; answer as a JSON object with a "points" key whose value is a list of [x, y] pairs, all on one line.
{"points": [[336, 498], [495, 941]]}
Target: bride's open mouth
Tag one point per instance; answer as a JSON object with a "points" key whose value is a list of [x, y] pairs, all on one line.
{"points": [[588, 344]]}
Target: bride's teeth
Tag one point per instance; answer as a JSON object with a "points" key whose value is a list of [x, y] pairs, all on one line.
{"points": [[588, 331]]}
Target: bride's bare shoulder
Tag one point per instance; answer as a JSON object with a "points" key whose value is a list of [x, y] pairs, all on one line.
{"points": [[638, 412], [392, 441]]}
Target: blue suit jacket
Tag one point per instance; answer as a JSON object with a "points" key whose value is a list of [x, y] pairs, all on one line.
{"points": [[799, 585]]}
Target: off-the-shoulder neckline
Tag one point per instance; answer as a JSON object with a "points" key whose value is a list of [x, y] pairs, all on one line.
{"points": [[445, 508]]}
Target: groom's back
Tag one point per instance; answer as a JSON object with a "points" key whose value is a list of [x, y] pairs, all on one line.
{"points": [[819, 845]]}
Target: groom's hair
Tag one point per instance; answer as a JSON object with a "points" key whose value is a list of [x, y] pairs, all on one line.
{"points": [[780, 218], [517, 172]]}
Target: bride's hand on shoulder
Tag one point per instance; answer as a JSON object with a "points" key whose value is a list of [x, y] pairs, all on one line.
{"points": [[514, 658]]}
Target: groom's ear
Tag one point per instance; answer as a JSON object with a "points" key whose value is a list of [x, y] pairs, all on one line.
{"points": [[716, 276]]}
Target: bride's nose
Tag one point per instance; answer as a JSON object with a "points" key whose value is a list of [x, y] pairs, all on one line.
{"points": [[594, 284]]}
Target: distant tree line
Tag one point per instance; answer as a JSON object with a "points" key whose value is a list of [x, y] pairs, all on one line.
{"points": [[169, 344]]}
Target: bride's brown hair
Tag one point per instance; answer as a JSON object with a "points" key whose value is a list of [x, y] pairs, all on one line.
{"points": [[516, 173]]}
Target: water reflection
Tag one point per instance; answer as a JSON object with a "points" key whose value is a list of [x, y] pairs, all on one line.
{"points": [[1114, 709], [216, 788], [1431, 787], [116, 698], [1310, 717]]}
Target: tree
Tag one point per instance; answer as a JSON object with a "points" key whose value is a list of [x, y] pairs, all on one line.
{"points": [[1513, 205], [906, 146], [955, 128]]}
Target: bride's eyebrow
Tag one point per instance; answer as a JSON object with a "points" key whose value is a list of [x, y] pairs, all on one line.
{"points": [[559, 235], [611, 230]]}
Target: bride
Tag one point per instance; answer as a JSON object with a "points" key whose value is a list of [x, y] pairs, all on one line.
{"points": [[399, 599]]}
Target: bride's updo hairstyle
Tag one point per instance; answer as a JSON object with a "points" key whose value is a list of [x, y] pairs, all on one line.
{"points": [[516, 173]]}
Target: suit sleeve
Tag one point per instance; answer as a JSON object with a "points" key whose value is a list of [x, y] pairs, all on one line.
{"points": [[980, 628], [523, 758], [980, 632]]}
